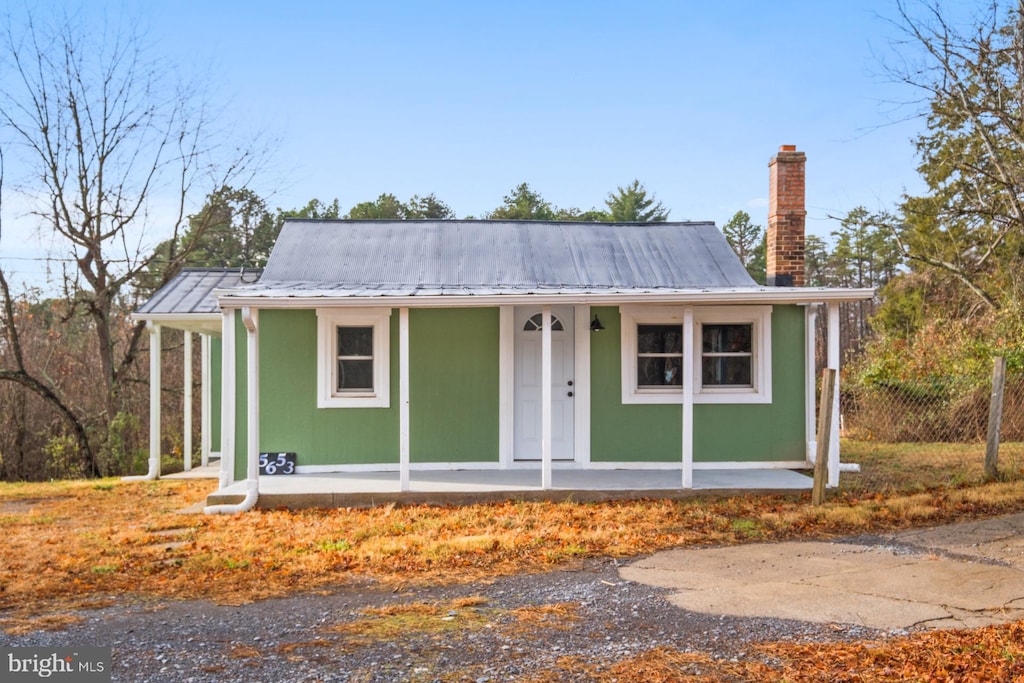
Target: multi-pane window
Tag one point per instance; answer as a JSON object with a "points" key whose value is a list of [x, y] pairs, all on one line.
{"points": [[659, 358], [731, 354], [727, 355], [355, 360]]}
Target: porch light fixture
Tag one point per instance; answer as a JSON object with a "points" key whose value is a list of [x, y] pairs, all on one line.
{"points": [[595, 325]]}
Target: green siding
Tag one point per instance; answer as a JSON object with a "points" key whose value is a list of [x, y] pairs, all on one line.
{"points": [[454, 402], [772, 431], [241, 400], [722, 432], [453, 385], [625, 433], [289, 417], [216, 358]]}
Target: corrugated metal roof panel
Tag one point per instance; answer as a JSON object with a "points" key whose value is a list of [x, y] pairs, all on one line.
{"points": [[191, 291], [339, 255]]}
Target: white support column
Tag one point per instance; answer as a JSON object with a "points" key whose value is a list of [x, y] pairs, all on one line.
{"points": [[154, 406], [810, 379], [187, 408], [545, 397], [689, 362], [403, 399], [252, 394], [227, 404], [833, 362], [506, 385], [205, 399], [581, 387], [154, 401]]}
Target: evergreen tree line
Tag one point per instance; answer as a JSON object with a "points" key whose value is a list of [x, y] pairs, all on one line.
{"points": [[105, 130]]}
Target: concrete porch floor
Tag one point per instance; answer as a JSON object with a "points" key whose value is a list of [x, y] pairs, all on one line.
{"points": [[359, 489]]}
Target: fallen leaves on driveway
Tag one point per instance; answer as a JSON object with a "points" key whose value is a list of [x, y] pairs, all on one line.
{"points": [[67, 543]]}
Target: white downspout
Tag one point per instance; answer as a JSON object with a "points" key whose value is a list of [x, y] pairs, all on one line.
{"points": [[252, 482], [154, 406]]}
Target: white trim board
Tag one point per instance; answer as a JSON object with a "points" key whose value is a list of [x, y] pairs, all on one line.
{"points": [[557, 464]]}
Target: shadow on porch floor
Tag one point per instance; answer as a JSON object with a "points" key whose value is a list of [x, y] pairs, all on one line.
{"points": [[457, 487]]}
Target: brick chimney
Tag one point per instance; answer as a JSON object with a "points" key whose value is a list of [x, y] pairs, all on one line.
{"points": [[786, 217]]}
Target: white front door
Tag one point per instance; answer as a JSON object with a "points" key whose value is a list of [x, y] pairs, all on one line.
{"points": [[527, 412]]}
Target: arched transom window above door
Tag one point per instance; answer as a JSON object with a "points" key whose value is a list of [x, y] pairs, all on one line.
{"points": [[536, 323]]}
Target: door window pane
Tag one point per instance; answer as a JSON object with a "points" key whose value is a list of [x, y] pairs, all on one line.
{"points": [[536, 323]]}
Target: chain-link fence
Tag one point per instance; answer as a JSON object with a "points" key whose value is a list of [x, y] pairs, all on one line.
{"points": [[954, 409]]}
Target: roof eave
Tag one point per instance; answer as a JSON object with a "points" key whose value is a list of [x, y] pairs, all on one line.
{"points": [[202, 323], [764, 295]]}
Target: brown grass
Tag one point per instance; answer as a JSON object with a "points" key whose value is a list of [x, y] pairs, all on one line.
{"points": [[993, 653], [69, 544]]}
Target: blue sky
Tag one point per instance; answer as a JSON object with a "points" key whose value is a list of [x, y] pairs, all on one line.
{"points": [[468, 99]]}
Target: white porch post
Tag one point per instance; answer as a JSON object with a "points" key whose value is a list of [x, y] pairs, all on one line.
{"points": [[187, 386], [154, 406], [227, 403], [403, 399], [833, 362], [154, 400], [506, 385], [545, 397], [252, 392], [810, 372], [205, 398], [688, 365]]}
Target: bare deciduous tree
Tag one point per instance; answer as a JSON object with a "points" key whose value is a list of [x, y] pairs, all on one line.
{"points": [[110, 141]]}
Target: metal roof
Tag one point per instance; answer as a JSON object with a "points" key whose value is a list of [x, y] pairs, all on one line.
{"points": [[377, 258], [188, 300]]}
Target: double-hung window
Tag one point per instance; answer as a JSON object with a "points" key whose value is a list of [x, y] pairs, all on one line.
{"points": [[353, 358], [731, 348]]}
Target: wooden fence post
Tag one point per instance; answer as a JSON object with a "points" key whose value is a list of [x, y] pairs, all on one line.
{"points": [[995, 417], [825, 403]]}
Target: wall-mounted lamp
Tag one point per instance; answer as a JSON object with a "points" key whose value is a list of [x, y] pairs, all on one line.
{"points": [[595, 325]]}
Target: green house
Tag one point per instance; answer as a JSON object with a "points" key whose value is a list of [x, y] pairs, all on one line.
{"points": [[409, 346]]}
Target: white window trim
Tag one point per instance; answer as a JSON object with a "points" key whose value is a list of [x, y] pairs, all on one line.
{"points": [[328, 320], [760, 318], [761, 373], [638, 315]]}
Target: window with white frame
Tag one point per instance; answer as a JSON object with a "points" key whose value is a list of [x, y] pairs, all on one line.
{"points": [[731, 347], [353, 358]]}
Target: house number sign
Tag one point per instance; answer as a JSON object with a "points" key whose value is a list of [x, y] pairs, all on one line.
{"points": [[277, 463]]}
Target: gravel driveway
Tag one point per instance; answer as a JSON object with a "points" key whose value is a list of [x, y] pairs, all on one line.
{"points": [[291, 639]]}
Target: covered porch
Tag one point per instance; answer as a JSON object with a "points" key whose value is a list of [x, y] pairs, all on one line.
{"points": [[459, 487]]}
